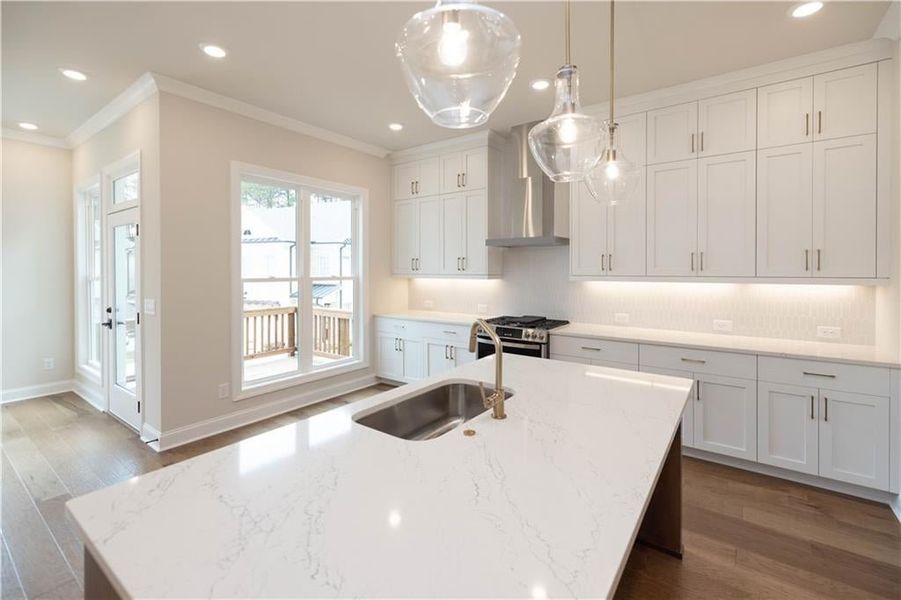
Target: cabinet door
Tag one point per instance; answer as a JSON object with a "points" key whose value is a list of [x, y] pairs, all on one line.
{"points": [[405, 177], [428, 183], [431, 253], [688, 415], [438, 358], [406, 235], [784, 211], [626, 239], [451, 172], [727, 123], [673, 218], [475, 169], [390, 358], [787, 427], [672, 133], [412, 351], [727, 205], [844, 207], [460, 355], [854, 438], [475, 253], [453, 214], [784, 113], [588, 232], [726, 416], [844, 102], [632, 130]]}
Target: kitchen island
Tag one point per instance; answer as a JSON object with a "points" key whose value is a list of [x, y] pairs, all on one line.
{"points": [[547, 502]]}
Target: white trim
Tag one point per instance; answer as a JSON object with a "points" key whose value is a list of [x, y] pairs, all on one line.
{"points": [[150, 434], [216, 425], [143, 88], [92, 394], [488, 137], [36, 391], [35, 138], [267, 386], [192, 92]]}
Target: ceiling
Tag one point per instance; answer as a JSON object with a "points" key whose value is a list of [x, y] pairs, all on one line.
{"points": [[332, 64]]}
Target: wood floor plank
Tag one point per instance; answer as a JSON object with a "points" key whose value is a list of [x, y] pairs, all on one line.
{"points": [[33, 469], [54, 513], [10, 588]]}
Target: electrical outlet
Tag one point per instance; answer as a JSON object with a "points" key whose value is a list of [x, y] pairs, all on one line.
{"points": [[722, 325], [49, 364], [621, 318], [482, 309], [224, 391], [832, 333], [428, 304]]}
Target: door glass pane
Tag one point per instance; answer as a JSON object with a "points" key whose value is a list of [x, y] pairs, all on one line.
{"points": [[268, 231], [125, 302], [333, 322], [125, 188], [331, 232], [270, 330]]}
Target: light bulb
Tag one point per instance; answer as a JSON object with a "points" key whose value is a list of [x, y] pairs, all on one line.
{"points": [[568, 131], [616, 178], [611, 170], [454, 46]]}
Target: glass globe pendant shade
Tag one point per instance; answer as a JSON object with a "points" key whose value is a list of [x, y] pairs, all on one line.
{"points": [[615, 178], [568, 144], [459, 59]]}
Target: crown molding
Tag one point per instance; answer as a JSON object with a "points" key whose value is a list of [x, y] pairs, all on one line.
{"points": [[35, 138], [192, 92], [137, 92], [485, 137]]}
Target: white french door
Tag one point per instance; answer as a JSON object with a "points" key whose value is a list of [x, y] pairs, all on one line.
{"points": [[122, 318]]}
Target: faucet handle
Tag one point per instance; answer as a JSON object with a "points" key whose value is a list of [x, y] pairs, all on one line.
{"points": [[486, 401]]}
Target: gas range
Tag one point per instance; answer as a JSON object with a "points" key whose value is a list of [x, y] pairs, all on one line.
{"points": [[527, 328]]}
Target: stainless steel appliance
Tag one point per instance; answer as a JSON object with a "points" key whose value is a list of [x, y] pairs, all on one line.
{"points": [[526, 335]]}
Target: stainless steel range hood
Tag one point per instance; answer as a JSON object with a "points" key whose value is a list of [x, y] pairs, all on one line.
{"points": [[531, 215]]}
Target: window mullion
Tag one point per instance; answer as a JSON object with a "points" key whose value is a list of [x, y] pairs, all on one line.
{"points": [[305, 297]]}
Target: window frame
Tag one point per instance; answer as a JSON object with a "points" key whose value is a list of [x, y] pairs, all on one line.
{"points": [[305, 186], [84, 239]]}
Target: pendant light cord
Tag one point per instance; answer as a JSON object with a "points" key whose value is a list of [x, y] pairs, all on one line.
{"points": [[612, 64], [566, 34]]}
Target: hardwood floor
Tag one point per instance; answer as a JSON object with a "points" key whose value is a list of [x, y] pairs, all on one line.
{"points": [[746, 535]]}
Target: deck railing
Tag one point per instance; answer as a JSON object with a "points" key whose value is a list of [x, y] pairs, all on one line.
{"points": [[271, 331]]}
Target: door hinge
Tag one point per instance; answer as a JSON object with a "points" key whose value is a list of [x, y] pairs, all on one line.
{"points": [[139, 407], [137, 229], [139, 318]]}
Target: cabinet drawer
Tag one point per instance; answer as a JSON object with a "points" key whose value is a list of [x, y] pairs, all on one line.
{"points": [[443, 331], [397, 327], [621, 352], [875, 381], [728, 364]]}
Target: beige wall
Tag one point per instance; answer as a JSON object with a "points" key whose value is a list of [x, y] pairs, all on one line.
{"points": [[198, 143], [37, 264], [137, 130]]}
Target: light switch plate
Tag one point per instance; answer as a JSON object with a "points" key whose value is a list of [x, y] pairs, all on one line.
{"points": [[832, 333], [722, 325], [149, 306], [224, 391], [621, 318], [49, 364]]}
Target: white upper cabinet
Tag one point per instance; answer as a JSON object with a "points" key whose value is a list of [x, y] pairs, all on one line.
{"points": [[672, 133], [672, 216], [451, 172], [476, 253], [588, 246], [466, 170], [406, 236], [727, 123], [427, 184], [431, 253], [844, 102], [453, 214], [726, 215], [854, 438], [784, 211], [417, 178], [784, 113], [626, 239]]}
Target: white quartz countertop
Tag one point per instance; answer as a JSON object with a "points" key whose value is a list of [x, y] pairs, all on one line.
{"points": [[847, 353], [429, 316], [544, 503]]}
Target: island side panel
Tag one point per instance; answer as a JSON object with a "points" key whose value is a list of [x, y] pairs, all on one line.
{"points": [[96, 584], [662, 524]]}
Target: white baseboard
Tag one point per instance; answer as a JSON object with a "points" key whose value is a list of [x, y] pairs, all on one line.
{"points": [[209, 427], [895, 503], [36, 391], [811, 480], [150, 434], [90, 394]]}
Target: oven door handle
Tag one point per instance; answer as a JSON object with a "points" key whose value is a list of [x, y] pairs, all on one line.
{"points": [[512, 344]]}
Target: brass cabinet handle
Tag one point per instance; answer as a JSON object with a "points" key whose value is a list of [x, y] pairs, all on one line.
{"points": [[603, 262], [702, 254], [811, 407], [417, 187], [698, 390], [702, 141], [699, 361], [610, 262], [453, 352], [464, 262], [819, 121], [692, 143], [412, 264], [826, 408], [812, 374], [449, 332], [806, 124], [806, 259], [458, 180], [819, 259], [411, 188], [591, 348], [692, 262], [464, 179]]}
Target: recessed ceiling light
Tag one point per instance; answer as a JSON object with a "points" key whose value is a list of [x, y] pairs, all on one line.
{"points": [[213, 51], [73, 74], [395, 126], [28, 126], [806, 9], [539, 84]]}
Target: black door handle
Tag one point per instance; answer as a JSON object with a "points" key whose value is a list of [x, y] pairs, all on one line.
{"points": [[108, 323]]}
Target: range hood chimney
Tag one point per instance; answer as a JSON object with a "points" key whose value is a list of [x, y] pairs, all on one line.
{"points": [[530, 212]]}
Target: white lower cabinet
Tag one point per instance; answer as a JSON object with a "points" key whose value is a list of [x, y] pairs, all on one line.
{"points": [[688, 415], [442, 356], [854, 438], [725, 416], [400, 359], [787, 427]]}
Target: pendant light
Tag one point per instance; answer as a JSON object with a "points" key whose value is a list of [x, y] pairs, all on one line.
{"points": [[568, 143], [459, 58], [616, 177]]}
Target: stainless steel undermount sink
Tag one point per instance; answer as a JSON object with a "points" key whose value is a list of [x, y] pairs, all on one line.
{"points": [[428, 413]]}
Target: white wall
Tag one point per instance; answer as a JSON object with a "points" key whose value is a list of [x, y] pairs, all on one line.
{"points": [[37, 265], [536, 281], [198, 143]]}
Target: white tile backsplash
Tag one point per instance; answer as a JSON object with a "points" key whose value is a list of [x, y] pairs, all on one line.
{"points": [[536, 281]]}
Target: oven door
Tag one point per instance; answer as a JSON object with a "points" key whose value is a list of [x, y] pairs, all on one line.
{"points": [[486, 348]]}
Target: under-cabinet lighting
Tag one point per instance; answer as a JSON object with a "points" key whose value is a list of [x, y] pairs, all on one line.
{"points": [[28, 126], [806, 9]]}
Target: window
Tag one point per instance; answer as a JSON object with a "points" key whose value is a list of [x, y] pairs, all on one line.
{"points": [[89, 285], [299, 280]]}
